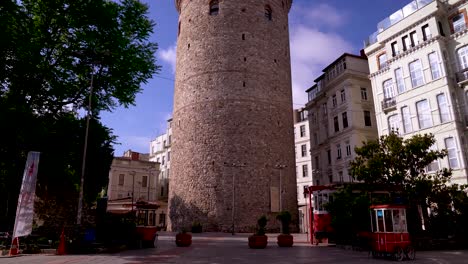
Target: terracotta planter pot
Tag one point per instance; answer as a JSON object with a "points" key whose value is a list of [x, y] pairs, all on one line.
{"points": [[285, 240], [256, 241], [183, 239], [147, 235]]}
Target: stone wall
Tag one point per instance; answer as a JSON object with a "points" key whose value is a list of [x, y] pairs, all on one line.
{"points": [[232, 104]]}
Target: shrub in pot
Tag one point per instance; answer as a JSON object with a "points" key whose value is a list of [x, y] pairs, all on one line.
{"points": [[259, 239], [183, 239], [285, 239]]}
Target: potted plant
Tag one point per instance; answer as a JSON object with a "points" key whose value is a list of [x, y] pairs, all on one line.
{"points": [[197, 227], [259, 239], [183, 239], [285, 239]]}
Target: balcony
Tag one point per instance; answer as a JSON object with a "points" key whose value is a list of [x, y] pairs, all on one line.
{"points": [[462, 76], [395, 18], [389, 104]]}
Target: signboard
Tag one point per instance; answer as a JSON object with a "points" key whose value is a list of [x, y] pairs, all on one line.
{"points": [[25, 208]]}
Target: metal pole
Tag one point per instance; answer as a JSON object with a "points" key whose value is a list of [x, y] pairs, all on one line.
{"points": [[133, 188], [281, 191], [149, 183], [83, 165], [233, 202]]}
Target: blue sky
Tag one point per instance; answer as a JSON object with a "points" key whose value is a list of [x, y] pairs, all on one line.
{"points": [[320, 31]]}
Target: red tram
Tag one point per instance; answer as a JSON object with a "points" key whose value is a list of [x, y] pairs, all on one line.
{"points": [[320, 219], [390, 235]]}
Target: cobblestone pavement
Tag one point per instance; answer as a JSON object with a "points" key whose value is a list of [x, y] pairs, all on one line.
{"points": [[216, 248]]}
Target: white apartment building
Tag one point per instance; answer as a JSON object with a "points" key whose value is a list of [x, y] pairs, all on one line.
{"points": [[418, 62], [303, 165], [341, 116], [160, 151]]}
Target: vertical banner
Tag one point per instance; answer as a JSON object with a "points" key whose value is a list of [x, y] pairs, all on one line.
{"points": [[25, 209]]}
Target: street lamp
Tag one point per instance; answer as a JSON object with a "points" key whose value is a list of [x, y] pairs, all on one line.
{"points": [[280, 167], [233, 165], [83, 164]]}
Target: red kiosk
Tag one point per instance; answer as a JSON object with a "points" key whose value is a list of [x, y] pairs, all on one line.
{"points": [[320, 219], [390, 235]]}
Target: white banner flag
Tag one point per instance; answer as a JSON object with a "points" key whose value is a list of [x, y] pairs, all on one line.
{"points": [[25, 209]]}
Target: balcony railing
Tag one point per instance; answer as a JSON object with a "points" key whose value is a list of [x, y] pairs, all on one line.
{"points": [[388, 103], [462, 76], [395, 18]]}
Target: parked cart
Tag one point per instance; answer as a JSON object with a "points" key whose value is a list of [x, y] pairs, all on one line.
{"points": [[390, 237]]}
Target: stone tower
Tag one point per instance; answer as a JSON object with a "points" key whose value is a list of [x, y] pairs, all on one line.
{"points": [[232, 120]]}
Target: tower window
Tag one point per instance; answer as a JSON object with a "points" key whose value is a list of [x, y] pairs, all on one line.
{"points": [[214, 7], [268, 13], [243, 36]]}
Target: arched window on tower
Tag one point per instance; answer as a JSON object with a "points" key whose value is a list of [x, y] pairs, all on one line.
{"points": [[214, 7], [268, 12]]}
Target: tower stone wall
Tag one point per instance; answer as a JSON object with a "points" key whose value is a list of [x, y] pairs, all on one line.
{"points": [[232, 115]]}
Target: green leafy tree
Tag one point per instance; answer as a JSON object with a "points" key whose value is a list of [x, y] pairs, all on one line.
{"points": [[49, 53]]}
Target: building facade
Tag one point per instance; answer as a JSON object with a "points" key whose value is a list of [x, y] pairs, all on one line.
{"points": [[133, 178], [232, 122], [418, 60], [160, 151], [303, 164], [341, 117]]}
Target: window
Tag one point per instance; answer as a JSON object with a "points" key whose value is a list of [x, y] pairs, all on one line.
{"points": [[395, 50], [444, 112], [214, 7], [414, 38], [345, 119], [406, 43], [434, 165], [268, 13], [121, 179], [348, 149], [364, 94], [343, 96], [435, 66], [463, 57], [441, 28], [334, 100], [338, 151], [382, 61], [315, 139], [393, 123], [416, 73], [340, 176], [388, 89], [337, 125], [144, 181], [426, 32], [303, 150], [367, 118], [424, 114], [452, 152], [168, 156], [163, 160], [304, 170], [317, 166], [406, 116], [400, 82], [305, 190], [302, 131], [329, 156], [324, 109], [162, 219], [162, 190], [458, 22]]}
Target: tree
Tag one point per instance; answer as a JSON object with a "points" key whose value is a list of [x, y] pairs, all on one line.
{"points": [[53, 46], [50, 51], [401, 167]]}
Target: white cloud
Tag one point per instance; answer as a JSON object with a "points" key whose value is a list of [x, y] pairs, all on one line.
{"points": [[325, 15], [312, 49], [169, 55]]}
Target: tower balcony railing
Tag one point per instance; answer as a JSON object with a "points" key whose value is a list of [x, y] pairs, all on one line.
{"points": [[388, 104], [462, 76]]}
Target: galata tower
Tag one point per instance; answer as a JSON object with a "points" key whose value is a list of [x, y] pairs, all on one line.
{"points": [[233, 142]]}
